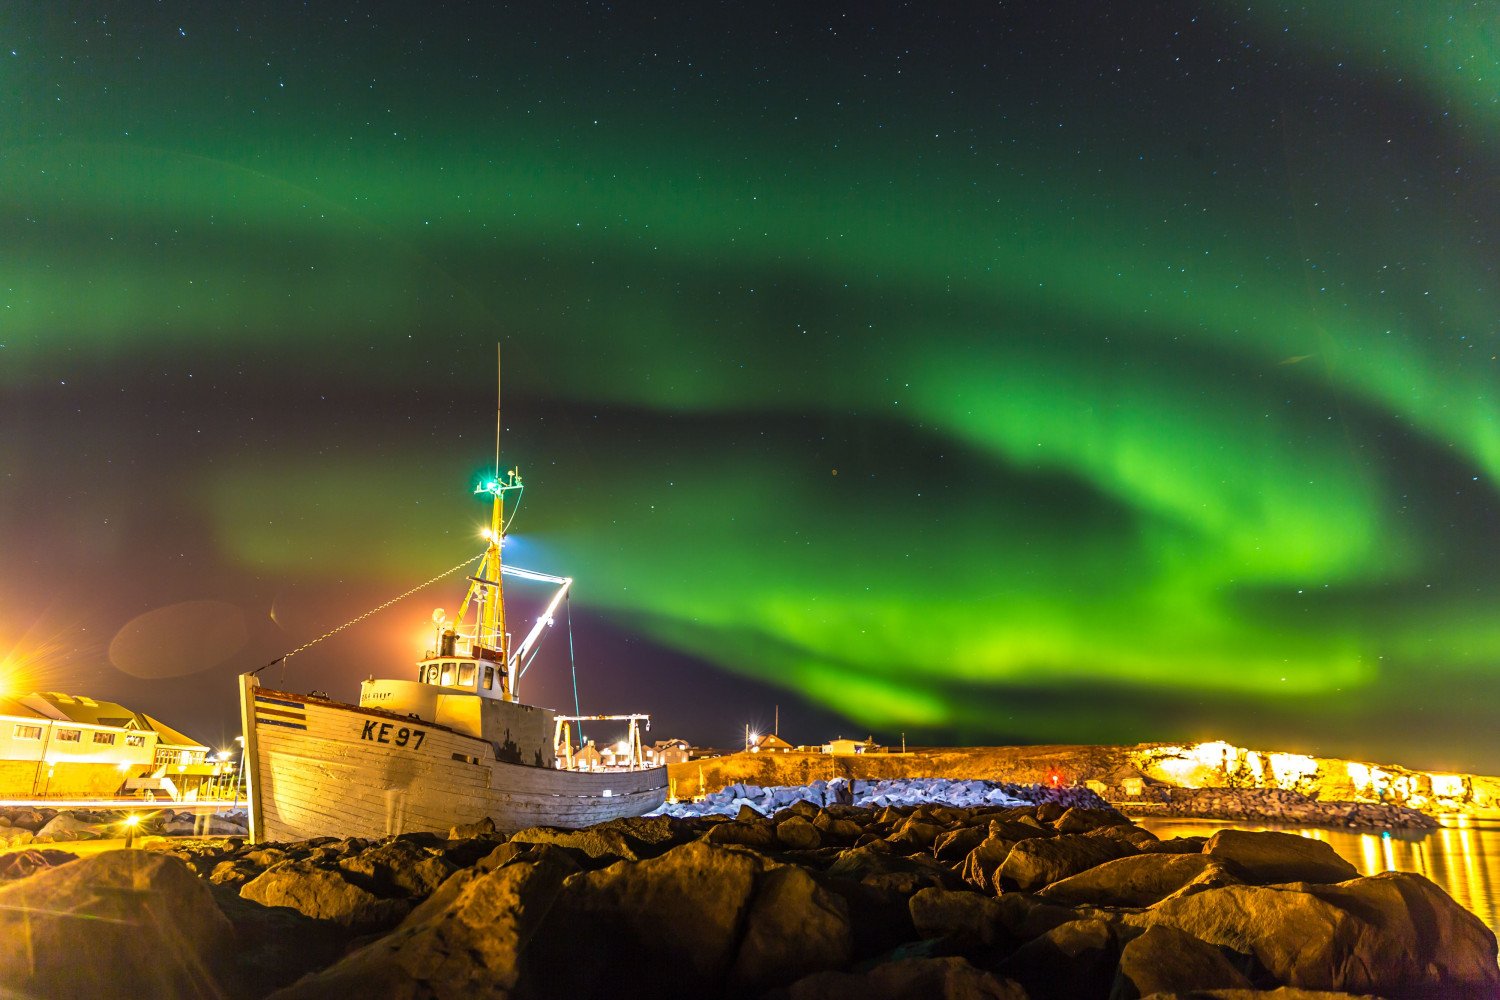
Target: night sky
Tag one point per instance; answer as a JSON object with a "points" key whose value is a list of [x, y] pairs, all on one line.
{"points": [[989, 373]]}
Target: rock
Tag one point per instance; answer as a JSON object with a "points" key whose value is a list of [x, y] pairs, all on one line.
{"points": [[1127, 835], [397, 867], [981, 864], [1280, 993], [798, 834], [1165, 960], [711, 915], [749, 814], [1073, 960], [949, 978], [967, 919], [915, 834], [15, 836], [483, 827], [1078, 820], [322, 894], [125, 924], [232, 873], [759, 834], [955, 845], [23, 864], [794, 928], [1032, 864], [1138, 880], [468, 940], [875, 865], [1266, 857], [1177, 845], [65, 826], [837, 829], [1394, 933], [598, 842]]}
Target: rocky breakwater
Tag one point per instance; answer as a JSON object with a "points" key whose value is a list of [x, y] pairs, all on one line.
{"points": [[1022, 902], [20, 826], [882, 792], [1276, 805]]}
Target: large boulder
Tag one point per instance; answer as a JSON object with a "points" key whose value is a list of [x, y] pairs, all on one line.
{"points": [[1266, 857], [398, 867], [1032, 864], [950, 978], [66, 826], [1166, 960], [23, 864], [1394, 933], [1137, 880], [713, 916], [467, 940], [605, 843], [968, 920], [874, 864], [797, 833], [1073, 960], [982, 863], [323, 894], [123, 924]]}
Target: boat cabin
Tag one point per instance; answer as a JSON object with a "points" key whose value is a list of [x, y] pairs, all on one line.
{"points": [[470, 695], [482, 675]]}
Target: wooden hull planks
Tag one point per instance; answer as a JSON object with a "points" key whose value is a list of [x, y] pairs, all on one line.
{"points": [[318, 768]]}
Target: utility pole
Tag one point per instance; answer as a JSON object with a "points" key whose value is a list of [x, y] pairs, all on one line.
{"points": [[903, 742]]}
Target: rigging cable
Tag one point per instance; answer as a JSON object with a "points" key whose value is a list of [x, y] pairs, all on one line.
{"points": [[375, 610], [573, 663]]}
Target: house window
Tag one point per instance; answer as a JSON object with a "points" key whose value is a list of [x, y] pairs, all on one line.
{"points": [[28, 732], [165, 755], [108, 739], [135, 740], [69, 735]]}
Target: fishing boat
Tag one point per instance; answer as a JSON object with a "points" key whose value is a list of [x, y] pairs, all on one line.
{"points": [[455, 745]]}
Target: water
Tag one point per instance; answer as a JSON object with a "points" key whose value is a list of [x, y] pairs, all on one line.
{"points": [[1463, 856]]}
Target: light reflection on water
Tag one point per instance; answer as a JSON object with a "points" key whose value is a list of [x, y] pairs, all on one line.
{"points": [[1463, 856]]}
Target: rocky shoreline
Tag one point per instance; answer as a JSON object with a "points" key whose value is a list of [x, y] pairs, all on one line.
{"points": [[1039, 901], [20, 826], [1275, 805]]}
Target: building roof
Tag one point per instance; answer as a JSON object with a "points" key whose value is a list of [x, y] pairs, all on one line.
{"points": [[84, 710], [14, 707], [167, 736]]}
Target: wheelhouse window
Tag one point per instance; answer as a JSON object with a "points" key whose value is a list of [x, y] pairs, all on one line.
{"points": [[447, 674], [489, 678], [466, 675]]}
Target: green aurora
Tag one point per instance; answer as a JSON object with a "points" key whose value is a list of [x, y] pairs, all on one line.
{"points": [[954, 384]]}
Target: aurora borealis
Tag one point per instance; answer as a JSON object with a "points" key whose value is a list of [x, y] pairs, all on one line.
{"points": [[1065, 374]]}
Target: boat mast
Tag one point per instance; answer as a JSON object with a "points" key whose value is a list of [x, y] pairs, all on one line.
{"points": [[489, 632]]}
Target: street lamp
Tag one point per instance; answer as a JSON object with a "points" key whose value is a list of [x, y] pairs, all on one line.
{"points": [[131, 822]]}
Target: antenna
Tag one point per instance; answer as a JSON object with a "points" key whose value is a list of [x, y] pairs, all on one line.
{"points": [[497, 409]]}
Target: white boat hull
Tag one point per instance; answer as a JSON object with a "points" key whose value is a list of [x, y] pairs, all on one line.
{"points": [[318, 768]]}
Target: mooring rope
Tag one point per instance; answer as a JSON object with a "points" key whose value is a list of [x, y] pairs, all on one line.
{"points": [[375, 610]]}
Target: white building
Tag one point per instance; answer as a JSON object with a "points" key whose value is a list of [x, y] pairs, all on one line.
{"points": [[72, 746]]}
